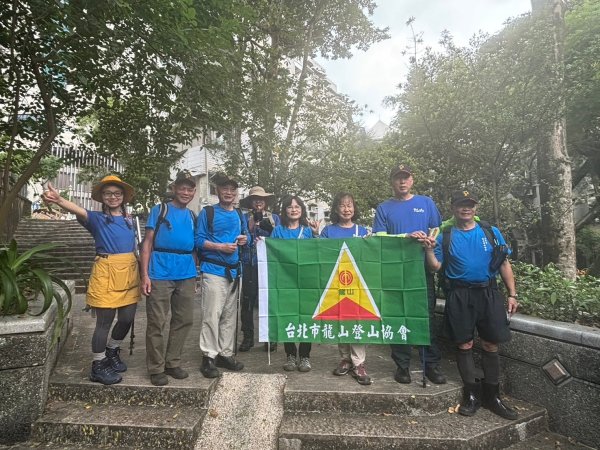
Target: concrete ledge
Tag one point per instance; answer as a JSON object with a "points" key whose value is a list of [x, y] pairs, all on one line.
{"points": [[27, 358], [27, 323], [555, 365]]}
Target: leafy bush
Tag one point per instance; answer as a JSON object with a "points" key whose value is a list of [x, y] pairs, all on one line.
{"points": [[547, 294], [23, 278]]}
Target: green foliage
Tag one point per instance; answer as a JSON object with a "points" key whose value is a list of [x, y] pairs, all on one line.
{"points": [[582, 72], [289, 126], [23, 278], [546, 293]]}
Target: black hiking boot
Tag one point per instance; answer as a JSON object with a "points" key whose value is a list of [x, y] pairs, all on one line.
{"points": [[102, 372], [112, 354], [208, 368]]}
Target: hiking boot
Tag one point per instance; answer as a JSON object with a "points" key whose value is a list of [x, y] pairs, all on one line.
{"points": [[208, 368], [115, 361], [471, 400], [359, 373], [493, 402], [290, 364], [102, 372], [402, 375], [176, 372], [229, 362], [270, 345], [247, 343], [435, 374], [343, 367], [159, 379], [304, 365]]}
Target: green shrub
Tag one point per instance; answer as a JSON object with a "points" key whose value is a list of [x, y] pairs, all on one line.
{"points": [[23, 278], [547, 294]]}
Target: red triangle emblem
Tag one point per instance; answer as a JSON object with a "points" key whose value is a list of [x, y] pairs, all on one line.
{"points": [[346, 309]]}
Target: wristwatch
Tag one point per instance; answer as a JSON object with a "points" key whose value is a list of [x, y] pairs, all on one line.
{"points": [[515, 296]]}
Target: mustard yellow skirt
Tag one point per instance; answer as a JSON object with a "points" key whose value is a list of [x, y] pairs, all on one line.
{"points": [[114, 282]]}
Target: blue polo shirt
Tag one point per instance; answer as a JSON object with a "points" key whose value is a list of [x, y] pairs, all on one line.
{"points": [[406, 216], [470, 254], [226, 228], [178, 236], [111, 234], [335, 231]]}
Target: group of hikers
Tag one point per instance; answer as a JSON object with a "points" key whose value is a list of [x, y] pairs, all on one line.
{"points": [[222, 241]]}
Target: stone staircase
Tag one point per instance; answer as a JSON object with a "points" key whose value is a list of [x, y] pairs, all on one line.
{"points": [[313, 411], [76, 247]]}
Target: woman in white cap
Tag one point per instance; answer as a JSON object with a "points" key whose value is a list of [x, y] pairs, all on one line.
{"points": [[260, 224], [114, 282]]}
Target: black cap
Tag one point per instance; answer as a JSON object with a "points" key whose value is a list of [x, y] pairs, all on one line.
{"points": [[401, 168], [460, 196], [184, 177], [221, 179]]}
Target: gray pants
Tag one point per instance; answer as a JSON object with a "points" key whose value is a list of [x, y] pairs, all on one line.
{"points": [[353, 352], [178, 297], [219, 311]]}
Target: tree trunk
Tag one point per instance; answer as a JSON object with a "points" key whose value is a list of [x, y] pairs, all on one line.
{"points": [[554, 165]]}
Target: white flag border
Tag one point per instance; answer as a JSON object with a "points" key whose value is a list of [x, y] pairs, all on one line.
{"points": [[263, 291]]}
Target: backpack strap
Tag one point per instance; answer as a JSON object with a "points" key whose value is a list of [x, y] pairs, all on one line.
{"points": [[446, 239], [489, 233], [210, 218], [162, 218]]}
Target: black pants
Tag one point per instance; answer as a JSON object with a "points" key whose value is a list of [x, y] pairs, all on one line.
{"points": [[104, 319], [303, 349], [249, 299], [401, 353]]}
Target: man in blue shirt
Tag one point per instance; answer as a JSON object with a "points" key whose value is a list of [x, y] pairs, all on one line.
{"points": [[409, 213], [168, 272], [260, 224], [474, 301], [220, 233]]}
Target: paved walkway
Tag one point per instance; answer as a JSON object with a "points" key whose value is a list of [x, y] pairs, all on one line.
{"points": [[75, 361]]}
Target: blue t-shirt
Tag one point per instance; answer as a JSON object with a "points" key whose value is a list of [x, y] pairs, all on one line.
{"points": [[406, 216], [226, 228], [110, 237], [470, 254], [249, 251], [178, 236], [283, 232], [335, 231]]}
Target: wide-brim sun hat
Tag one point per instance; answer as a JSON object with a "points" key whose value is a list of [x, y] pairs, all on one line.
{"points": [[255, 192], [128, 191]]}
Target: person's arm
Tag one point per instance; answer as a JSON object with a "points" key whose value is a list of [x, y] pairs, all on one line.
{"points": [[379, 223], [52, 196], [508, 278], [145, 261], [433, 264]]}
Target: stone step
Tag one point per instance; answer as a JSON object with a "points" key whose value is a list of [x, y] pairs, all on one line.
{"points": [[485, 430], [131, 391], [429, 401], [118, 425], [548, 441]]}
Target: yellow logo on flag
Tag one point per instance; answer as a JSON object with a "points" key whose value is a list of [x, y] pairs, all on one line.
{"points": [[346, 296]]}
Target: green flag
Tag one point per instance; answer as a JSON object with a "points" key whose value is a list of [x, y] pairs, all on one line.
{"points": [[361, 291]]}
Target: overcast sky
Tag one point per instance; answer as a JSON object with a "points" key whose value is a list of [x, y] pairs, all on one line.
{"points": [[370, 76]]}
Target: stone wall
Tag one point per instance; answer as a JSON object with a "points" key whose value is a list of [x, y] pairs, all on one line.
{"points": [[26, 361], [555, 365]]}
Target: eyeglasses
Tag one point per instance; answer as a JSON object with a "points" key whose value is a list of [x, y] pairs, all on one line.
{"points": [[115, 194]]}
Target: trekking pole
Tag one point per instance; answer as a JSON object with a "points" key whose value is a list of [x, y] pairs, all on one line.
{"points": [[424, 381], [131, 337], [237, 313]]}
